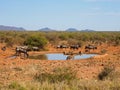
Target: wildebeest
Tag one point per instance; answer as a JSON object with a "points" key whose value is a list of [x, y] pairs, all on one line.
{"points": [[62, 46], [35, 48], [3, 48], [20, 50], [75, 46], [90, 47], [70, 57]]}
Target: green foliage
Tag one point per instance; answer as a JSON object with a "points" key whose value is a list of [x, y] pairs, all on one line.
{"points": [[117, 40], [58, 75], [9, 41], [36, 40], [52, 37], [63, 36], [40, 39]]}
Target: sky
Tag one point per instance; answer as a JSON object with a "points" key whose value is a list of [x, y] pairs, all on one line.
{"points": [[61, 14]]}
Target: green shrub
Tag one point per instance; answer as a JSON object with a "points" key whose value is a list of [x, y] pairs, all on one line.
{"points": [[38, 41], [31, 37], [63, 36], [117, 41], [58, 75]]}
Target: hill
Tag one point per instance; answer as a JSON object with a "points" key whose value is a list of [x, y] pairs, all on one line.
{"points": [[72, 30], [2, 27], [46, 29]]}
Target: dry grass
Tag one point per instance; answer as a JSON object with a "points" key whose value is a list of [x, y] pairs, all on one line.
{"points": [[73, 85], [112, 82]]}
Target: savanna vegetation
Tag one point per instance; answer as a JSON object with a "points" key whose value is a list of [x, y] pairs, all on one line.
{"points": [[62, 78], [41, 39], [65, 79]]}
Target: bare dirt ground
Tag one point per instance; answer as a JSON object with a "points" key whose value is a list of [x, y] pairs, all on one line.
{"points": [[16, 69]]}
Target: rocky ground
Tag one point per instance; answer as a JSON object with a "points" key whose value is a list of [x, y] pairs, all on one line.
{"points": [[16, 69]]}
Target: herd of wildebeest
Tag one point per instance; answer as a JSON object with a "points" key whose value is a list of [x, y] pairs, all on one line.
{"points": [[77, 47], [23, 50]]}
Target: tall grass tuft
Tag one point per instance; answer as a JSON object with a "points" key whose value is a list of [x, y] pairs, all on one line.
{"points": [[58, 75], [106, 72], [16, 86]]}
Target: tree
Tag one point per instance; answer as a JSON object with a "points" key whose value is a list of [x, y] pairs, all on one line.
{"points": [[36, 40]]}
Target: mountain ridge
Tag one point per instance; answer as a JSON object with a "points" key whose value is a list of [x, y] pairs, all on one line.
{"points": [[46, 29], [71, 30], [3, 27]]}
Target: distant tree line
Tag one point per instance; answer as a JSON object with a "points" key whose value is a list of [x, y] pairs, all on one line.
{"points": [[41, 39]]}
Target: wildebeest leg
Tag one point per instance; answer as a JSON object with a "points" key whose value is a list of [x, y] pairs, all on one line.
{"points": [[26, 55], [17, 53], [21, 56], [80, 52]]}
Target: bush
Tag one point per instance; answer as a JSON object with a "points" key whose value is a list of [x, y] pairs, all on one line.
{"points": [[105, 72], [58, 75], [63, 36], [38, 41]]}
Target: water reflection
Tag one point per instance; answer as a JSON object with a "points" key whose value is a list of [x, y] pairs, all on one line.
{"points": [[41, 57]]}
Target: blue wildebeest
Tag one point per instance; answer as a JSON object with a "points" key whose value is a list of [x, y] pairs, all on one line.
{"points": [[75, 47], [20, 50], [3, 48], [89, 47], [61, 46], [70, 57], [35, 48]]}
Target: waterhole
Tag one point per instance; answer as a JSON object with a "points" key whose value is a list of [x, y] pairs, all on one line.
{"points": [[60, 56]]}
